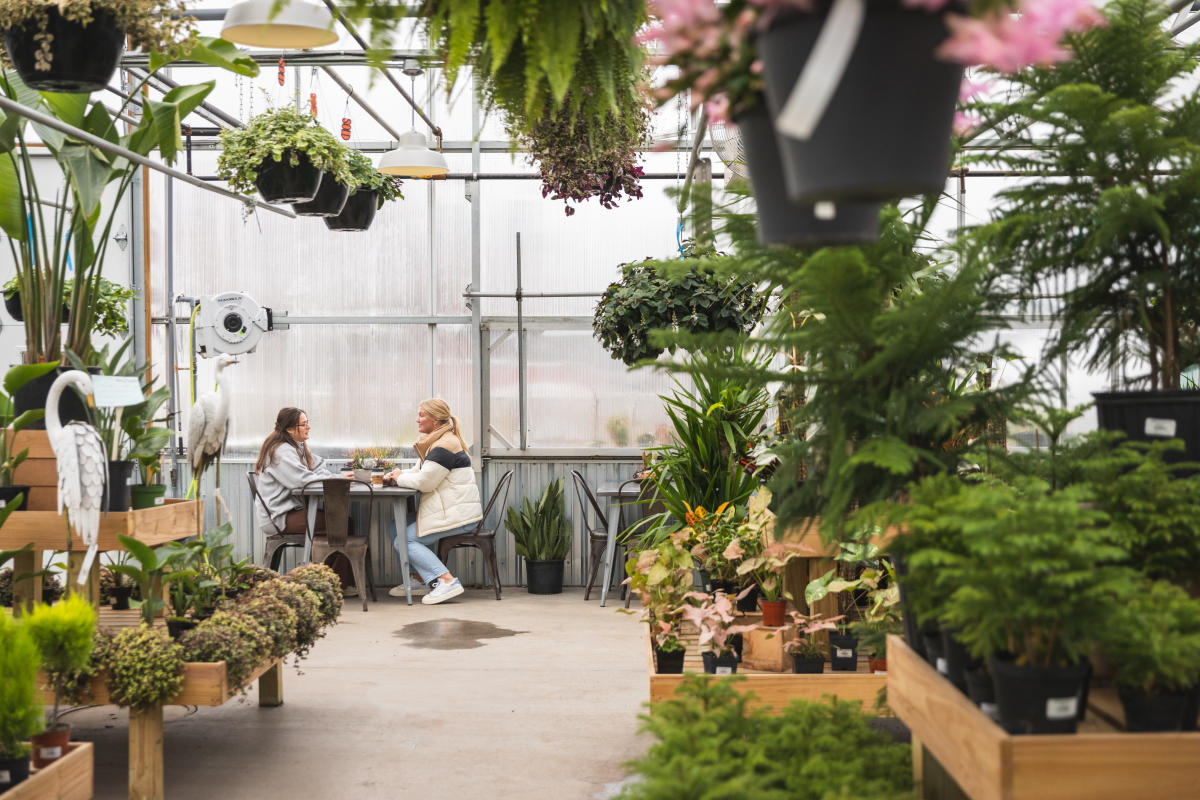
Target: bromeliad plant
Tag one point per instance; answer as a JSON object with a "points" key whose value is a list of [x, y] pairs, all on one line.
{"points": [[279, 134], [541, 530]]}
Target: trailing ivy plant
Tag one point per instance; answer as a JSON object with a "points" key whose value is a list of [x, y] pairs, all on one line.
{"points": [[365, 177], [282, 133], [691, 294]]}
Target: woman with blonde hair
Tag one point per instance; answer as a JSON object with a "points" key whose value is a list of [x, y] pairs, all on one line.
{"points": [[449, 502]]}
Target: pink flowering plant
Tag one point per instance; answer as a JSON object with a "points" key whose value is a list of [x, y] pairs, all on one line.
{"points": [[715, 615], [661, 577], [799, 634]]}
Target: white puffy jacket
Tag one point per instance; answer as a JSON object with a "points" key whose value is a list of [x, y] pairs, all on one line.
{"points": [[449, 494]]}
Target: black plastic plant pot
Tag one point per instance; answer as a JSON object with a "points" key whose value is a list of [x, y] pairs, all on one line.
{"points": [[780, 221], [119, 475], [701, 581], [1191, 708], [9, 493], [736, 642], [12, 304], [807, 666], [724, 664], [120, 597], [908, 619], [357, 214], [1038, 699], [177, 627], [280, 182], [749, 603], [84, 58], [33, 395], [1154, 416], [1146, 712], [329, 200], [886, 132], [981, 691], [934, 654], [545, 577], [843, 652], [958, 660], [12, 772], [669, 662]]}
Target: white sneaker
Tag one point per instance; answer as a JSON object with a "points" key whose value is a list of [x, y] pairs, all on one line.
{"points": [[417, 590], [350, 591], [443, 591]]}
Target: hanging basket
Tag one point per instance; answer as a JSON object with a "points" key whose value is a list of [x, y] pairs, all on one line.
{"points": [[83, 58], [329, 200], [780, 221], [280, 182], [357, 214], [886, 131]]}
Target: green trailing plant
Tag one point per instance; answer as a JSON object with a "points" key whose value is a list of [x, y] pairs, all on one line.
{"points": [[325, 584], [143, 666], [14, 379], [541, 530], [709, 743], [229, 636], [1153, 639], [365, 177], [694, 294], [661, 577], [280, 134], [277, 619], [1099, 213], [303, 602], [111, 299], [64, 635], [20, 713]]}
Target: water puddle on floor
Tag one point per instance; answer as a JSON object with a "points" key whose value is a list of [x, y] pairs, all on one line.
{"points": [[451, 634]]}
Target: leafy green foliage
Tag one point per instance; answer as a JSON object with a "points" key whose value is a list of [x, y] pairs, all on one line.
{"points": [[1110, 142], [14, 379], [541, 531], [233, 637], [711, 746], [325, 584], [20, 713], [365, 176], [143, 666], [63, 634], [303, 602], [661, 577], [282, 133], [1153, 639], [277, 619], [111, 319], [647, 298]]}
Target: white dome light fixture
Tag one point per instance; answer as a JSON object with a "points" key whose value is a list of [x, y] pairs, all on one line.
{"points": [[412, 158], [297, 25]]}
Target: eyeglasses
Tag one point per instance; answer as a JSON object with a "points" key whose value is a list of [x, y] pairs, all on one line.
{"points": [[304, 425]]}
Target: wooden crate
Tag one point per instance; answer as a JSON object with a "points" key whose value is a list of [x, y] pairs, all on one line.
{"points": [[1100, 762], [774, 690], [38, 470], [68, 778]]}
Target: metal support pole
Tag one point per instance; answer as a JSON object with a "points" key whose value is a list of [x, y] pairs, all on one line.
{"points": [[478, 348], [172, 375], [521, 377]]}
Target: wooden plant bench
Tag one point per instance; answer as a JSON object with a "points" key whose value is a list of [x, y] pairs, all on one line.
{"points": [[958, 752], [67, 778]]}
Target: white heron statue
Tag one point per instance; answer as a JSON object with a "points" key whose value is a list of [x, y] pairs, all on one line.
{"points": [[208, 427], [82, 466]]}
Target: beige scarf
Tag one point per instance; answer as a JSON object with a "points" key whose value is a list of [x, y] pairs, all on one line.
{"points": [[427, 441]]}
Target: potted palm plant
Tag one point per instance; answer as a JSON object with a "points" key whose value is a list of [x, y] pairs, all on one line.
{"points": [[64, 635], [285, 155], [542, 535], [370, 190]]}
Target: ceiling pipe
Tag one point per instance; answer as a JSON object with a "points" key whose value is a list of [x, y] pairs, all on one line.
{"points": [[361, 102], [211, 109]]}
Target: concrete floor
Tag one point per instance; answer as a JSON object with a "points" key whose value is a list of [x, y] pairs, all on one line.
{"points": [[532, 696]]}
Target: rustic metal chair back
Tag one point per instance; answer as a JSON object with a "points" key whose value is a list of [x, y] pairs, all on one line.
{"points": [[598, 535], [337, 538], [276, 542], [482, 537]]}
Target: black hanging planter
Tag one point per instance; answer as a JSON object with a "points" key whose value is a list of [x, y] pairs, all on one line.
{"points": [[886, 132], [33, 395], [280, 182], [357, 214], [843, 652], [84, 58], [1154, 416], [329, 200], [807, 666], [12, 304], [545, 577], [13, 771], [119, 474], [669, 662], [780, 221], [1038, 699], [1153, 711], [724, 664], [7, 493]]}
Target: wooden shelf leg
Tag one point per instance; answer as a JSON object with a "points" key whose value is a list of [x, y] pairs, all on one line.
{"points": [[92, 589], [29, 591], [270, 686], [146, 754], [918, 764]]}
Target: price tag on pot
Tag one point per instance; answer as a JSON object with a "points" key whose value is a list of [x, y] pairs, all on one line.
{"points": [[845, 653], [49, 753], [724, 671], [1160, 427], [159, 501], [5, 777], [1062, 707], [941, 667], [117, 390], [991, 709]]}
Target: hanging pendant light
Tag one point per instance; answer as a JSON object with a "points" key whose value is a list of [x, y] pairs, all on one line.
{"points": [[413, 158], [297, 25]]}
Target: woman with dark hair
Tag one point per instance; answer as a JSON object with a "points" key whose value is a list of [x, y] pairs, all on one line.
{"points": [[284, 465]]}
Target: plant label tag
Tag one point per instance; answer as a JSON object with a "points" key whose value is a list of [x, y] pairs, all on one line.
{"points": [[1062, 707], [881, 672], [47, 753], [5, 777], [941, 667], [724, 671], [1160, 427], [158, 501], [845, 653], [117, 390], [991, 709], [3, 503]]}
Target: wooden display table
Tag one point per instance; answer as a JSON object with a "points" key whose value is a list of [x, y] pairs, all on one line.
{"points": [[958, 752], [68, 778]]}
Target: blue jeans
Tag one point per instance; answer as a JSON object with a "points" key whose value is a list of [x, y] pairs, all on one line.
{"points": [[420, 556]]}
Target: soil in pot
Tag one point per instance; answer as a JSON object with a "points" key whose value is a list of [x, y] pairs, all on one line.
{"points": [[843, 652], [357, 214], [71, 407], [119, 475], [1038, 699], [120, 597], [780, 221], [329, 200], [147, 496], [50, 745], [176, 626], [8, 493], [280, 182], [725, 664], [893, 78], [1153, 711], [774, 613], [669, 662], [84, 58], [12, 772], [545, 577], [802, 665]]}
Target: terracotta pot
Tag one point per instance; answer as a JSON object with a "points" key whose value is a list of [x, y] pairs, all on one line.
{"points": [[50, 745], [774, 613], [877, 665]]}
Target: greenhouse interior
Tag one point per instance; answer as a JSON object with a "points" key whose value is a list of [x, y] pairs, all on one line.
{"points": [[600, 399]]}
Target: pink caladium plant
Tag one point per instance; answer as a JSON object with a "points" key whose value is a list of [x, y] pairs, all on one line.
{"points": [[804, 626], [714, 615], [767, 567]]}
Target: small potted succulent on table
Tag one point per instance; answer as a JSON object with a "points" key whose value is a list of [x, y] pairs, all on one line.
{"points": [[64, 635], [715, 615]]}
